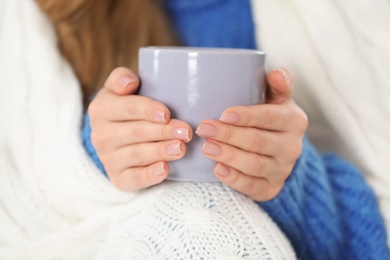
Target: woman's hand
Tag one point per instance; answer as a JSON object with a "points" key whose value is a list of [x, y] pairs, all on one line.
{"points": [[133, 135], [256, 147]]}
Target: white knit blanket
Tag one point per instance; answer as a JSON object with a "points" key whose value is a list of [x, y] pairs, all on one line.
{"points": [[339, 52], [55, 204]]}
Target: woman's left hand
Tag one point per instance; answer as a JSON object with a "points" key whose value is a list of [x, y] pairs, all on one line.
{"points": [[256, 147]]}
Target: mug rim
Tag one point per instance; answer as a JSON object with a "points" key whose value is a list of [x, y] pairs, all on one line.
{"points": [[208, 50]]}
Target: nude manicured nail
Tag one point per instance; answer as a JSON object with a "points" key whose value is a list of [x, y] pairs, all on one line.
{"points": [[174, 148], [206, 130], [211, 148], [221, 170], [284, 74], [159, 169], [229, 117], [124, 81], [159, 116], [181, 133]]}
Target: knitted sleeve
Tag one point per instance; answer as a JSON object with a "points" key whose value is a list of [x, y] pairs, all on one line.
{"points": [[328, 211], [86, 139]]}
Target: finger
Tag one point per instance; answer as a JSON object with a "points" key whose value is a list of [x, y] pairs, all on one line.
{"points": [[121, 81], [243, 161], [133, 179], [117, 135], [258, 189], [144, 154], [246, 138], [268, 117], [107, 106], [280, 86]]}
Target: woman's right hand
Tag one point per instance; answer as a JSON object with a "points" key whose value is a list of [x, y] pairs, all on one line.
{"points": [[133, 135]]}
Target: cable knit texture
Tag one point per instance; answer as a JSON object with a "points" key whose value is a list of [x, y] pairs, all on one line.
{"points": [[339, 52]]}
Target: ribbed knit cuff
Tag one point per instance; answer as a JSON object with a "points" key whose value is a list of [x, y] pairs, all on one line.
{"points": [[362, 224], [86, 139], [304, 208], [327, 210]]}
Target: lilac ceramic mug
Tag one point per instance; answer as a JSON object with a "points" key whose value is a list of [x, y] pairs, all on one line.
{"points": [[198, 84]]}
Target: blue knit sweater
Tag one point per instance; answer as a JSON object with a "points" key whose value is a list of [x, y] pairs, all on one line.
{"points": [[326, 208]]}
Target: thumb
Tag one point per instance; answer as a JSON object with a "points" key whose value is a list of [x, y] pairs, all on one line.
{"points": [[280, 87], [122, 81]]}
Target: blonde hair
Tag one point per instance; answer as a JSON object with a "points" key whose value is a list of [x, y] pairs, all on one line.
{"points": [[96, 36]]}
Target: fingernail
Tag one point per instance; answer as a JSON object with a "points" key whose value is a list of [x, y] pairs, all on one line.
{"points": [[181, 133], [174, 148], [125, 81], [229, 117], [284, 74], [211, 148], [159, 116], [159, 169], [221, 170], [206, 130]]}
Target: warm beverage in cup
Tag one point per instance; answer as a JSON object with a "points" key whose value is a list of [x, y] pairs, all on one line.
{"points": [[198, 84]]}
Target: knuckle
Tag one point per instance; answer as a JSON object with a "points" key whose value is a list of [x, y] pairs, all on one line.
{"points": [[94, 110], [296, 149], [259, 142], [249, 187], [162, 151], [246, 116], [227, 135], [270, 117], [281, 174], [285, 115], [130, 107], [109, 161], [97, 139], [250, 118], [135, 156], [305, 121], [228, 157], [286, 112], [301, 120], [137, 132], [257, 166], [165, 132], [234, 180]]}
